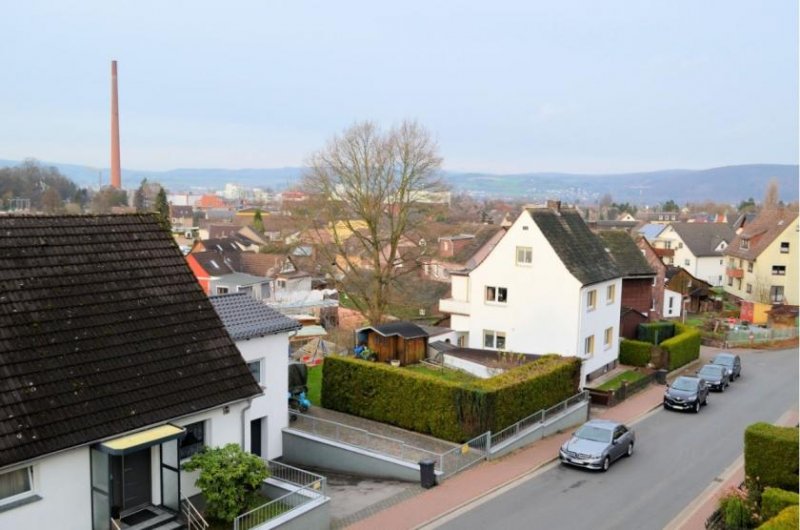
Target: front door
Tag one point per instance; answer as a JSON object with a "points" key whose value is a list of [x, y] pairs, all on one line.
{"points": [[255, 437], [136, 490]]}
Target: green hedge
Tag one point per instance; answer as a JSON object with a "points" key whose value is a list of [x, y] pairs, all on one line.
{"points": [[774, 500], [447, 410], [634, 352], [786, 520], [684, 347], [655, 332], [771, 455]]}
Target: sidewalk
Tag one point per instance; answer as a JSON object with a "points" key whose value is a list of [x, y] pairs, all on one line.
{"points": [[490, 476]]}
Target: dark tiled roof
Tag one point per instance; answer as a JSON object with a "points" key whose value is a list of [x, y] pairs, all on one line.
{"points": [[217, 263], [481, 237], [407, 330], [626, 254], [582, 252], [245, 317], [703, 238], [103, 330], [223, 244]]}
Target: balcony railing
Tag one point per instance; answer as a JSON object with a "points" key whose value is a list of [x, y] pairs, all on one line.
{"points": [[732, 272], [452, 305]]}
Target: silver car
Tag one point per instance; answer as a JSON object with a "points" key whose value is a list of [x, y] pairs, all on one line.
{"points": [[597, 444]]}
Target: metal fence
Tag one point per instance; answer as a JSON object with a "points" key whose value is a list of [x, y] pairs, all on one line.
{"points": [[306, 487], [537, 418], [464, 456], [756, 335], [361, 438]]}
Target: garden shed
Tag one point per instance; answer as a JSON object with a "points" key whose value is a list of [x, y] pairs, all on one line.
{"points": [[400, 341]]}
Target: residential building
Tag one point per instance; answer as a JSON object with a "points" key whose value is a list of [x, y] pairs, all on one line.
{"points": [[696, 294], [460, 252], [547, 286], [659, 282], [115, 368], [697, 247], [262, 337], [762, 260]]}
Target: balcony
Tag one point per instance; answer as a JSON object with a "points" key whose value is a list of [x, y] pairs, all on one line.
{"points": [[451, 305], [732, 272]]}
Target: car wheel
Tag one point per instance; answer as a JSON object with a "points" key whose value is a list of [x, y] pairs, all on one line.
{"points": [[630, 449], [666, 407], [606, 463], [697, 406]]}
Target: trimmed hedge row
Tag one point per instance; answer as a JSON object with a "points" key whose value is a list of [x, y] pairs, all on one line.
{"points": [[786, 520], [634, 352], [444, 409], [655, 332], [771, 455], [684, 347], [774, 500]]}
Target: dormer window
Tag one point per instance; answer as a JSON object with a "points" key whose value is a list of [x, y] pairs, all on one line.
{"points": [[744, 244]]}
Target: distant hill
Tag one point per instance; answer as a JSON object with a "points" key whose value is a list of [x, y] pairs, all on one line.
{"points": [[722, 184]]}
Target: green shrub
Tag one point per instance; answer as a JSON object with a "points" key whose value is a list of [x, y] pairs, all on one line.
{"points": [[774, 500], [683, 348], [771, 455], [447, 410], [736, 511], [655, 332], [634, 352], [786, 520]]}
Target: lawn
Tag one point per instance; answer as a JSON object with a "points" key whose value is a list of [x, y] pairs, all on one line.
{"points": [[315, 385], [454, 376], [629, 376]]}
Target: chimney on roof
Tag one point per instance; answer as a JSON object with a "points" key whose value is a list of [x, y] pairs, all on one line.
{"points": [[554, 205], [116, 172]]}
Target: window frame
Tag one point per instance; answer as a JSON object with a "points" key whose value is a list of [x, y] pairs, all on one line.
{"points": [[779, 270], [588, 346], [221, 289], [494, 334], [784, 248], [611, 293], [749, 288], [260, 378], [591, 299], [16, 497], [608, 337], [195, 447], [495, 290], [527, 253]]}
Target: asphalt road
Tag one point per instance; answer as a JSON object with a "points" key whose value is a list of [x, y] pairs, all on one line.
{"points": [[678, 454]]}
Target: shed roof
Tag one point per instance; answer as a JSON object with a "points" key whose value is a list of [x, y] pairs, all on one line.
{"points": [[245, 317], [104, 331], [407, 330]]}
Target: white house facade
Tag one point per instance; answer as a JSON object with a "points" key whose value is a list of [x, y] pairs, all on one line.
{"points": [[698, 247], [548, 286]]}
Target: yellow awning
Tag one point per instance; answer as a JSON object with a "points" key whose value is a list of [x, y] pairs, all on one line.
{"points": [[142, 439]]}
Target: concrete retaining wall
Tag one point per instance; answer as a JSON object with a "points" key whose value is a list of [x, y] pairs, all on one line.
{"points": [[306, 450], [575, 415]]}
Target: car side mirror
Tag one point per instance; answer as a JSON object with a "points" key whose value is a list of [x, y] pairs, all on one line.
{"points": [[615, 441]]}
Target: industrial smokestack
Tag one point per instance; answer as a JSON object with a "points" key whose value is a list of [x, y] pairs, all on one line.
{"points": [[116, 171]]}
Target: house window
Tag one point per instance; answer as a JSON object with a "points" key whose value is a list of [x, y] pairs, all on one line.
{"points": [[687, 262], [744, 244], [222, 290], [494, 339], [282, 284], [608, 336], [667, 244], [784, 247], [524, 255], [749, 288], [591, 300], [779, 270], [671, 299], [730, 281], [255, 369], [749, 266], [588, 346], [496, 294], [680, 245], [776, 294], [15, 484], [194, 440], [738, 284], [611, 293]]}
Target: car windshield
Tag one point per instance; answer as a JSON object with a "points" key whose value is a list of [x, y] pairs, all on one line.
{"points": [[726, 361], [594, 433], [684, 383], [711, 371]]}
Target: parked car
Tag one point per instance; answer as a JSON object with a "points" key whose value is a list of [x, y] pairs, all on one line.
{"points": [[597, 444], [686, 393], [731, 362], [716, 376]]}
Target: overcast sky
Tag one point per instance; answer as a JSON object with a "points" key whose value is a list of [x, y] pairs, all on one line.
{"points": [[505, 86]]}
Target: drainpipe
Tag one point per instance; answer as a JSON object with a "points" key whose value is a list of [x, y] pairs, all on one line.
{"points": [[244, 411]]}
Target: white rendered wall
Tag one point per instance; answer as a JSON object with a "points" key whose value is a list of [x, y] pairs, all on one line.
{"points": [[273, 351], [675, 310], [63, 482], [478, 370], [606, 314], [711, 269]]}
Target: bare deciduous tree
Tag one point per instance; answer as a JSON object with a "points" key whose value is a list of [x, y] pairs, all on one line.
{"points": [[368, 184], [771, 195]]}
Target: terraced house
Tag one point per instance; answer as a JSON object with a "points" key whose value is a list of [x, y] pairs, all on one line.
{"points": [[114, 368], [762, 260], [547, 286]]}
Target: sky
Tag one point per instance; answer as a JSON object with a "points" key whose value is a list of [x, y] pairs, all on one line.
{"points": [[504, 86]]}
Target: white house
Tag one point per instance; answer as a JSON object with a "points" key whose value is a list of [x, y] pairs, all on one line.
{"points": [[262, 337], [114, 368], [698, 247], [673, 304], [548, 286]]}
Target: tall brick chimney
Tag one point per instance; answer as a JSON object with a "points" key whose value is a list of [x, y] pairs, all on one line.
{"points": [[116, 172]]}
